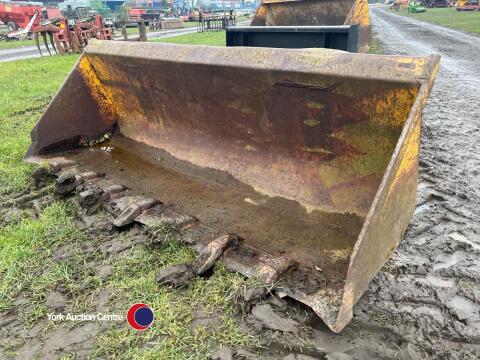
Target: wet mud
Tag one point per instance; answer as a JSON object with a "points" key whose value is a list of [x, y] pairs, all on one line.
{"points": [[271, 224]]}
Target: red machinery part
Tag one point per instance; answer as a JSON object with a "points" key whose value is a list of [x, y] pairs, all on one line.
{"points": [[19, 15]]}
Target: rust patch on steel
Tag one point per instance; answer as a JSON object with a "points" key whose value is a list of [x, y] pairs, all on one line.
{"points": [[102, 96], [317, 12]]}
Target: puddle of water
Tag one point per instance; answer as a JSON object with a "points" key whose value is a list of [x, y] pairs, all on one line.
{"points": [[421, 208], [459, 237], [273, 224], [464, 308], [435, 281], [445, 261], [463, 239], [420, 241], [424, 185]]}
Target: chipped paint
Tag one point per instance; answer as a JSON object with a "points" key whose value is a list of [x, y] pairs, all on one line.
{"points": [[311, 122]]}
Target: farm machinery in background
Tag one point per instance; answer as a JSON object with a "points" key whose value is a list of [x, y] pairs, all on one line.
{"points": [[215, 22], [70, 35], [434, 3], [467, 5], [61, 33], [415, 7], [399, 4], [17, 15], [154, 19], [21, 18], [419, 5], [335, 24]]}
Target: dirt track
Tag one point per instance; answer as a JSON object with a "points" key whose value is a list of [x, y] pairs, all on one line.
{"points": [[429, 292]]}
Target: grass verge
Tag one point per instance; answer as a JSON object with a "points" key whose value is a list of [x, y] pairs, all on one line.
{"points": [[216, 38], [27, 88], [468, 21], [376, 46]]}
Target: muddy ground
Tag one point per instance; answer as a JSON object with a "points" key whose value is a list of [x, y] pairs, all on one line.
{"points": [[424, 304]]}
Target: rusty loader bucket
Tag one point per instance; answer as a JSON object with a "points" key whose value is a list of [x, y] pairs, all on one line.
{"points": [[319, 13], [309, 156]]}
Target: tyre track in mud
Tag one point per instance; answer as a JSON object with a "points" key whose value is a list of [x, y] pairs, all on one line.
{"points": [[429, 291]]}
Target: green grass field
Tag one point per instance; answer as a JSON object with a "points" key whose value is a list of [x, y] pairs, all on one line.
{"points": [[27, 244], [190, 23], [468, 21], [205, 38]]}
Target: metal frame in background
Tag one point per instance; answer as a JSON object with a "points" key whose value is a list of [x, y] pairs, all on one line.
{"points": [[344, 37]]}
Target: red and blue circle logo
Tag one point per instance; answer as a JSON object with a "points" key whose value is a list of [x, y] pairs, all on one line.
{"points": [[140, 316]]}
